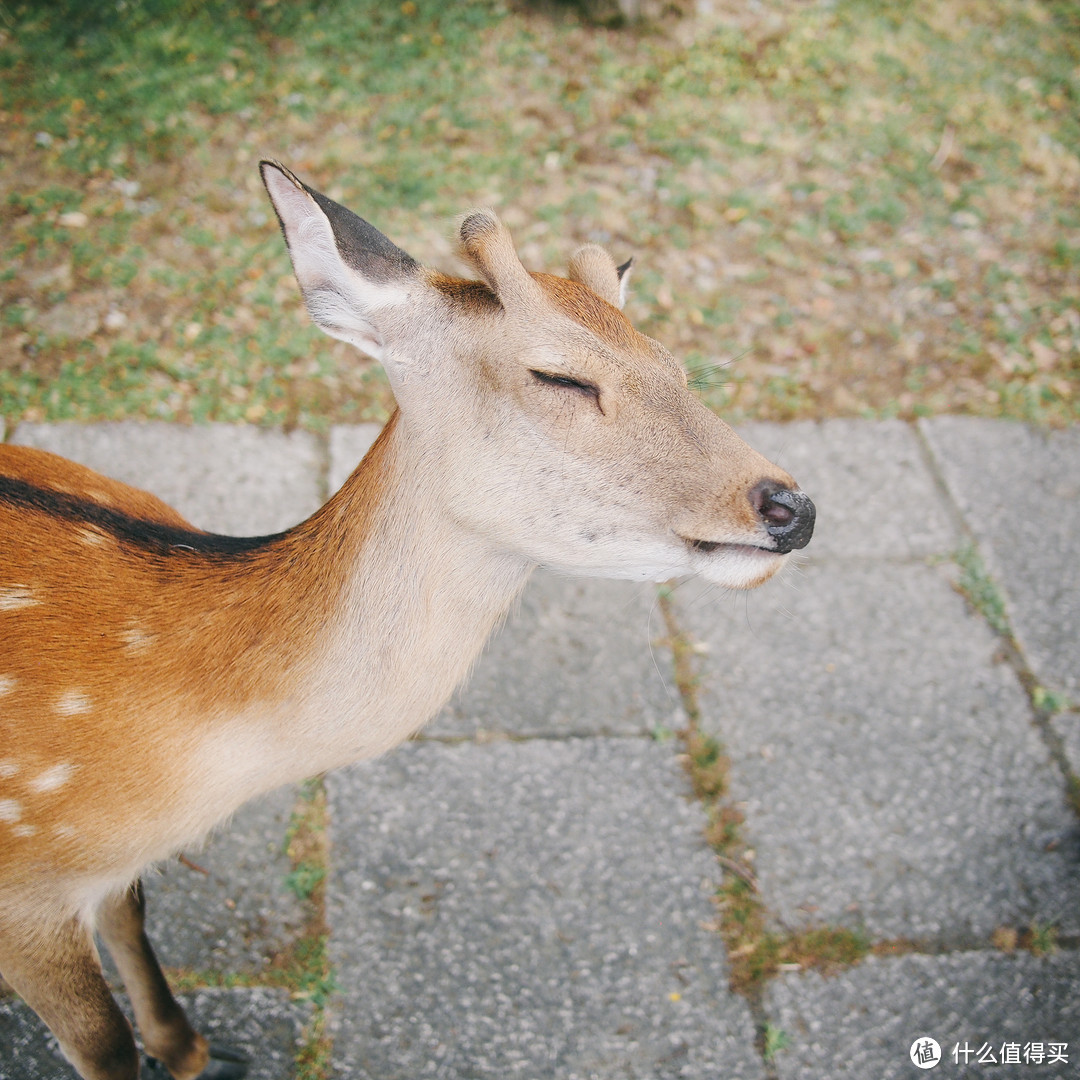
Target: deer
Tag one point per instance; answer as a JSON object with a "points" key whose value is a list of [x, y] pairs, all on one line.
{"points": [[154, 677]]}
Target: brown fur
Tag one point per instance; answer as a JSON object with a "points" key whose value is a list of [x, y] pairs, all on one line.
{"points": [[589, 310]]}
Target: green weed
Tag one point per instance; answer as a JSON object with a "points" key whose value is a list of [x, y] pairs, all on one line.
{"points": [[981, 590], [1040, 939], [776, 1039], [1050, 701]]}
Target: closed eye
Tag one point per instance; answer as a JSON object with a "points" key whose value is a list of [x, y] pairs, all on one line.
{"points": [[548, 379]]}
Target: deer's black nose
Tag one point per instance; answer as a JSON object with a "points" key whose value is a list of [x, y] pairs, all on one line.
{"points": [[788, 515]]}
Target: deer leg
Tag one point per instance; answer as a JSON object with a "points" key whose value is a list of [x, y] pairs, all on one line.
{"points": [[57, 972], [166, 1033]]}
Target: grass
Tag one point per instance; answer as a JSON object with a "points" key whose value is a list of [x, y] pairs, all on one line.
{"points": [[981, 590], [1050, 702], [843, 209], [776, 1039], [757, 953]]}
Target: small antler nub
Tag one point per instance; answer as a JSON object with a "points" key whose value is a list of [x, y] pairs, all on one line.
{"points": [[487, 244]]}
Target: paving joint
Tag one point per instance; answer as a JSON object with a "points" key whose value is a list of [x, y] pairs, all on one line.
{"points": [[308, 962], [487, 738], [324, 465], [709, 790], [937, 477], [1011, 652]]}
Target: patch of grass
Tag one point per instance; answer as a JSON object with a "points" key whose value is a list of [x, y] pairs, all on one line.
{"points": [[757, 953], [981, 590], [171, 67], [707, 765], [305, 879], [753, 951], [865, 198], [825, 949], [1072, 791]]}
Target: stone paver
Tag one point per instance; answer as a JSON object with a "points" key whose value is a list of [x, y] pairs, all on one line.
{"points": [[528, 909], [891, 775], [1019, 492], [862, 1023], [577, 657]]}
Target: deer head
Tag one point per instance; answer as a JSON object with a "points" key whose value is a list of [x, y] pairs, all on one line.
{"points": [[559, 432]]}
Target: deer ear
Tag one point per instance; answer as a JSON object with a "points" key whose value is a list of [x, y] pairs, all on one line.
{"points": [[349, 273], [594, 268]]}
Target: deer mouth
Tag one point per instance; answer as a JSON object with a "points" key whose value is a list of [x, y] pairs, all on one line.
{"points": [[709, 547]]}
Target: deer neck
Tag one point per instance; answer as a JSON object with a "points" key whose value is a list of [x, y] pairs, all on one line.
{"points": [[418, 595]]}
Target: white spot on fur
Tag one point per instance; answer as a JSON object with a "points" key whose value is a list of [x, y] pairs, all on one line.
{"points": [[7, 684], [24, 830], [10, 810], [51, 779], [93, 537], [64, 832], [17, 597], [72, 703], [8, 769], [137, 639]]}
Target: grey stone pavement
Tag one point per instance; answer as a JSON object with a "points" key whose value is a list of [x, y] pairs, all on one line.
{"points": [[526, 893]]}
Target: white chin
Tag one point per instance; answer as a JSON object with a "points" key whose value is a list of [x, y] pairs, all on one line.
{"points": [[738, 566], [734, 566]]}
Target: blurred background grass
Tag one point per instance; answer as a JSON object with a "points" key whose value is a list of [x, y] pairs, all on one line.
{"points": [[836, 207]]}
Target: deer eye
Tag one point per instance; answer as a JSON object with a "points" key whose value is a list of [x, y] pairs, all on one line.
{"points": [[548, 379]]}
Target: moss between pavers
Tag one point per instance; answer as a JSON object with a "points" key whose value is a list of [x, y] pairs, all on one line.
{"points": [[755, 952], [985, 596]]}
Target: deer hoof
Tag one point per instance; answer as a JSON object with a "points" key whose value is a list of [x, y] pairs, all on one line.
{"points": [[225, 1064]]}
